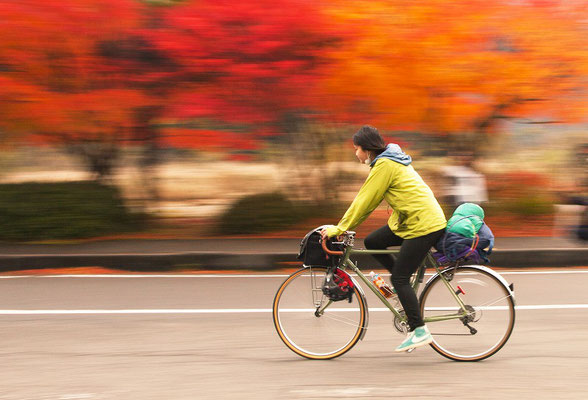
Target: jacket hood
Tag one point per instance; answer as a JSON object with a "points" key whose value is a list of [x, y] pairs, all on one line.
{"points": [[394, 153], [466, 220]]}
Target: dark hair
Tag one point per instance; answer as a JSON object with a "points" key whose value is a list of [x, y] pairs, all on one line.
{"points": [[369, 139]]}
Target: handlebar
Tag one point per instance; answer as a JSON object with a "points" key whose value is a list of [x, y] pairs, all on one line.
{"points": [[330, 252]]}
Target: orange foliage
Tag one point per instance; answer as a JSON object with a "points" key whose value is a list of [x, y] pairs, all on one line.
{"points": [[449, 66], [440, 67]]}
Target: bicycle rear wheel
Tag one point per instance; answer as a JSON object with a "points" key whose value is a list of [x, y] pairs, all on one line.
{"points": [[489, 321], [305, 329]]}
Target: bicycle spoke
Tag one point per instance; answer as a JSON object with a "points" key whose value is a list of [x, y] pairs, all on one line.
{"points": [[491, 302], [340, 319]]}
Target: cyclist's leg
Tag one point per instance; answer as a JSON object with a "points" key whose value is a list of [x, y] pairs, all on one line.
{"points": [[381, 239], [412, 253]]}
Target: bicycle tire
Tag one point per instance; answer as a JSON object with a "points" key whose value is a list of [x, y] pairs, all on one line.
{"points": [[303, 331], [492, 316]]}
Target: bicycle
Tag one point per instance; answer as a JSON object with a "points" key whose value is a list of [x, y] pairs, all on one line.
{"points": [[470, 309]]}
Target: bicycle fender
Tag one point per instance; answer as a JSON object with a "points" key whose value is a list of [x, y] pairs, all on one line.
{"points": [[482, 268], [364, 300]]}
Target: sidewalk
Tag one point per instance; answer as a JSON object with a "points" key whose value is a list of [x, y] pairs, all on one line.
{"points": [[248, 254]]}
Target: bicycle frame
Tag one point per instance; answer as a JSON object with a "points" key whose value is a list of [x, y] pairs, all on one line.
{"points": [[417, 279]]}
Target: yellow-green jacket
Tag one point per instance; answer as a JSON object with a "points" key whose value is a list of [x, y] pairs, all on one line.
{"points": [[416, 212]]}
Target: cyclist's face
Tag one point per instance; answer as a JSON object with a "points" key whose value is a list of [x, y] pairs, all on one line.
{"points": [[361, 154]]}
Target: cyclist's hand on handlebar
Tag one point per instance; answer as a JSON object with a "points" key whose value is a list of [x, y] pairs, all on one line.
{"points": [[324, 235]]}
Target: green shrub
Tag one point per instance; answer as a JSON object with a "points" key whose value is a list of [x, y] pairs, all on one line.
{"points": [[268, 212], [530, 205], [34, 211]]}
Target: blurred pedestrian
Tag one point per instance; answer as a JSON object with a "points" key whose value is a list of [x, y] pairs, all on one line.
{"points": [[463, 184], [416, 224]]}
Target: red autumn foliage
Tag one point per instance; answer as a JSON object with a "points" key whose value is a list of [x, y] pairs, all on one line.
{"points": [[244, 61], [517, 183], [209, 140], [55, 81], [77, 71]]}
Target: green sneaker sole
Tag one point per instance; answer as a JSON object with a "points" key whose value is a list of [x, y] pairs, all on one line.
{"points": [[425, 342]]}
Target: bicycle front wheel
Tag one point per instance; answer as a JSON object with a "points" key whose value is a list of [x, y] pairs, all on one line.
{"points": [[487, 323], [310, 324]]}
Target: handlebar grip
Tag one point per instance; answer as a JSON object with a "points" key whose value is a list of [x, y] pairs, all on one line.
{"points": [[330, 252]]}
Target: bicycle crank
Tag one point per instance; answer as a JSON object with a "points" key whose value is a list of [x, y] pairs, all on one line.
{"points": [[400, 324]]}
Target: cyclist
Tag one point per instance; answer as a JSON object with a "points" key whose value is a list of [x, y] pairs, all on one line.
{"points": [[416, 223]]}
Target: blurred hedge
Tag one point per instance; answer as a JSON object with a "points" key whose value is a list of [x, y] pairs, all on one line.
{"points": [[34, 211], [267, 212]]}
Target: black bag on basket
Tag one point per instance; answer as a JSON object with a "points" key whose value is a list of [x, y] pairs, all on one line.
{"points": [[311, 252], [337, 284]]}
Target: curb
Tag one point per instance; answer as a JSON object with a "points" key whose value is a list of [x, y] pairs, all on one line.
{"points": [[149, 262], [528, 258]]}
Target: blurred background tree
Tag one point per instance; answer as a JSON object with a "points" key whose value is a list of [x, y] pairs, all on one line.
{"points": [[285, 83], [456, 69], [56, 82], [252, 66]]}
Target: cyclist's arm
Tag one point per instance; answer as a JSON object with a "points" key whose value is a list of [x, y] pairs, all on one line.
{"points": [[369, 197]]}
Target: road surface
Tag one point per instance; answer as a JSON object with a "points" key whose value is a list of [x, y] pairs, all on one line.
{"points": [[212, 337]]}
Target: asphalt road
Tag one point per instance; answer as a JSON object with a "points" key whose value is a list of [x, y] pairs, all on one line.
{"points": [[212, 337]]}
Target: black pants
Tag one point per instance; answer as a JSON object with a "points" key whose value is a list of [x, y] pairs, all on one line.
{"points": [[412, 253]]}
